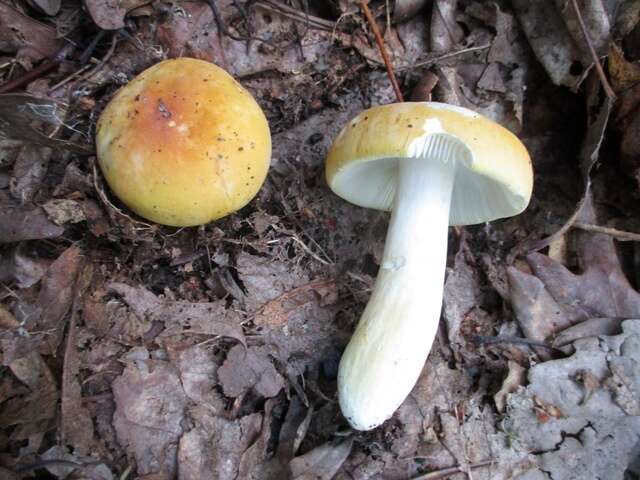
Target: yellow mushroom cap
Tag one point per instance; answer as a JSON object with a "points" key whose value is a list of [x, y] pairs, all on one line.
{"points": [[494, 178], [183, 143]]}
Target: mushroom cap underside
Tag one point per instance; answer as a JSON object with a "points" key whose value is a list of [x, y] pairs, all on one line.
{"points": [[494, 176]]}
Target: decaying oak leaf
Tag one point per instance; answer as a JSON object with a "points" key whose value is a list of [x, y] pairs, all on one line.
{"points": [[554, 298]]}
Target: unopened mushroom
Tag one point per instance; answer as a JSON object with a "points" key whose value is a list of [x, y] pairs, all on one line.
{"points": [[183, 143], [432, 165]]}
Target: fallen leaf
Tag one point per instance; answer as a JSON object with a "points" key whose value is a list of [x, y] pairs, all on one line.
{"points": [[56, 296], [107, 14], [491, 79], [76, 425], [150, 408], [537, 312], [623, 74], [253, 464], [277, 312], [62, 211], [404, 10], [592, 327], [181, 317], [321, 463], [514, 380], [29, 39], [29, 170], [578, 439], [198, 373], [214, 448], [461, 296], [17, 267], [265, 279], [601, 289], [33, 411], [193, 32], [22, 117], [627, 18], [250, 368], [50, 7], [7, 320], [551, 41], [26, 223]]}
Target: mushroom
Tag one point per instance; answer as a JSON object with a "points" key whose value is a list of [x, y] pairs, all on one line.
{"points": [[432, 165], [183, 143]]}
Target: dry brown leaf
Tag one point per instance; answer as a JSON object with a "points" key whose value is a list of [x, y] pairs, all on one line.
{"points": [[321, 463], [22, 117], [28, 39], [551, 42], [198, 373], [62, 211], [404, 10], [21, 269], [29, 170], [622, 73], [50, 7], [56, 296], [38, 407], [250, 368], [181, 317], [26, 223], [214, 448], [277, 312], [514, 379], [76, 426], [150, 409]]}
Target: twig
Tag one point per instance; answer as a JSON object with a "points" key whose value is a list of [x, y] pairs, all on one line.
{"points": [[66, 80], [40, 70], [596, 60], [55, 462], [294, 14], [31, 75], [88, 52], [480, 339], [222, 26], [103, 61], [383, 51], [445, 472], [445, 57], [619, 235]]}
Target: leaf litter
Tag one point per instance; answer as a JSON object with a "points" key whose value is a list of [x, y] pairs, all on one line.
{"points": [[131, 349]]}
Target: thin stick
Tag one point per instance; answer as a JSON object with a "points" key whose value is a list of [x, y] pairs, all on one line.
{"points": [[38, 71], [294, 14], [479, 339], [445, 472], [383, 51], [596, 60], [29, 76], [619, 235], [445, 57]]}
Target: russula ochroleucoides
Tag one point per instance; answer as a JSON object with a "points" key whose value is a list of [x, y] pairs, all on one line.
{"points": [[432, 165], [183, 143]]}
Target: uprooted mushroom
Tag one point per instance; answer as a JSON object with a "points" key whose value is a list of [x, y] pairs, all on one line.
{"points": [[433, 165]]}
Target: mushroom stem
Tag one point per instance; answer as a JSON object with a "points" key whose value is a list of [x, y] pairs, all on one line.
{"points": [[386, 354]]}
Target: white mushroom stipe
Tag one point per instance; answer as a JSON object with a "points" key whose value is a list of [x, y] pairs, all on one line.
{"points": [[390, 345]]}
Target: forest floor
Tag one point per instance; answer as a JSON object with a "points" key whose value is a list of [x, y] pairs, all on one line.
{"points": [[132, 350]]}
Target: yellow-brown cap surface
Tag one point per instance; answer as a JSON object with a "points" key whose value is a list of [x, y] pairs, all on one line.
{"points": [[494, 178], [184, 143]]}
